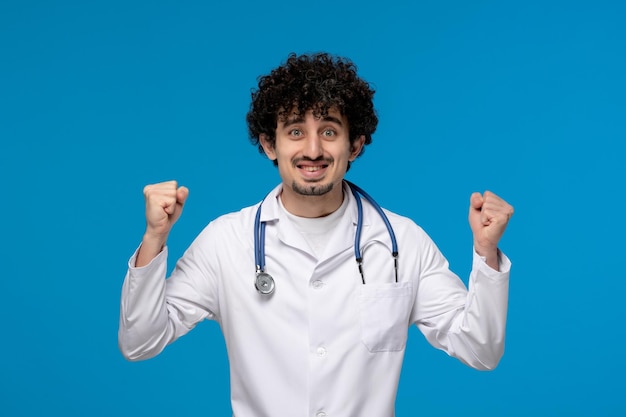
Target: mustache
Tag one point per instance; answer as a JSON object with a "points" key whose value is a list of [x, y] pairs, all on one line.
{"points": [[329, 160]]}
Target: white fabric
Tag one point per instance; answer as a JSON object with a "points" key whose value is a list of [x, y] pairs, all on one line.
{"points": [[323, 342], [316, 230]]}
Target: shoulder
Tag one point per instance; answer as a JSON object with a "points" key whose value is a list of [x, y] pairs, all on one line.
{"points": [[406, 225], [234, 221], [229, 229], [397, 221], [237, 225]]}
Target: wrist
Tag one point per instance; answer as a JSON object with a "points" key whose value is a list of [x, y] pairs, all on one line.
{"points": [[154, 241], [489, 254], [150, 247]]}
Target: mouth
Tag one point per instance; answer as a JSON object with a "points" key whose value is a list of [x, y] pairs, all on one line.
{"points": [[312, 168], [312, 171]]}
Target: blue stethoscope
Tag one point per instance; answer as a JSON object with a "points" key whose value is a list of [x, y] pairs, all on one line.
{"points": [[264, 282]]}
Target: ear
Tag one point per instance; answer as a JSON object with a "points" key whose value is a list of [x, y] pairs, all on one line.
{"points": [[357, 147], [268, 147]]}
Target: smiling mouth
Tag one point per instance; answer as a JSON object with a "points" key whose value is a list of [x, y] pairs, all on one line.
{"points": [[309, 168], [312, 172]]}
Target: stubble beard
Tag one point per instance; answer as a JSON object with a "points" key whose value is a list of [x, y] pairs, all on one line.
{"points": [[312, 190]]}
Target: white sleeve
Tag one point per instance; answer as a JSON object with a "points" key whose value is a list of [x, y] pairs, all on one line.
{"points": [[154, 311], [467, 324]]}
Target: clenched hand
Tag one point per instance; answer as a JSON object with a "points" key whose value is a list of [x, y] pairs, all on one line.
{"points": [[488, 217], [164, 205]]}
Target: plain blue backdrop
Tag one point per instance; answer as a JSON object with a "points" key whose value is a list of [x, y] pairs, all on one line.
{"points": [[99, 98]]}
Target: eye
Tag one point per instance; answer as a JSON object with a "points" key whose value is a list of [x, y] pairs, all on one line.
{"points": [[329, 133], [295, 133]]}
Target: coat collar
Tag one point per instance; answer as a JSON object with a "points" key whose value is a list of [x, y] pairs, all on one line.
{"points": [[340, 240], [272, 212]]}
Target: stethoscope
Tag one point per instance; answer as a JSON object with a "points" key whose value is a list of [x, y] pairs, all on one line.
{"points": [[264, 282]]}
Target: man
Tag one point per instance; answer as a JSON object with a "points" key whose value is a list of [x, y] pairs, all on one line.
{"points": [[321, 337]]}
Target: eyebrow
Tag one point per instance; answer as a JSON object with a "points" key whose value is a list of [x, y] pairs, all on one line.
{"points": [[299, 119]]}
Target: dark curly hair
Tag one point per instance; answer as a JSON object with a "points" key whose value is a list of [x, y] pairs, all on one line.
{"points": [[314, 82]]}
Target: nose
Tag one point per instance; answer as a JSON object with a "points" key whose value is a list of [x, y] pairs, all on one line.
{"points": [[313, 147]]}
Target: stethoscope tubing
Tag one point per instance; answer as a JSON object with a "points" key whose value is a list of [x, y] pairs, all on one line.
{"points": [[259, 241], [264, 283], [356, 190]]}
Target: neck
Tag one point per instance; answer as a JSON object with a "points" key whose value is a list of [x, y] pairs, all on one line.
{"points": [[312, 206]]}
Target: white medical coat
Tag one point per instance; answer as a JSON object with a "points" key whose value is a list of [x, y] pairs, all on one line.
{"points": [[323, 344]]}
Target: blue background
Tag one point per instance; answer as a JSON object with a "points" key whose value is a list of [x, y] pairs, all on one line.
{"points": [[97, 99]]}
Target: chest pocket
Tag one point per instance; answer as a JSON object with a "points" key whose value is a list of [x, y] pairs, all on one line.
{"points": [[384, 311]]}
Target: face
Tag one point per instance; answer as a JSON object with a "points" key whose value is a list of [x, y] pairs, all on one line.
{"points": [[312, 155]]}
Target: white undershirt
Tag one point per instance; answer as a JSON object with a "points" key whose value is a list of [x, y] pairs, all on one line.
{"points": [[316, 230]]}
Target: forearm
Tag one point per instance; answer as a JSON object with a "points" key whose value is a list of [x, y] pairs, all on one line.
{"points": [[489, 254], [478, 333], [474, 331], [150, 248]]}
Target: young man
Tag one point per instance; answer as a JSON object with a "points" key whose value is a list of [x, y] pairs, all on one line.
{"points": [[319, 335]]}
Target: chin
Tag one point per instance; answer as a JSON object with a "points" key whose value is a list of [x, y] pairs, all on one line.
{"points": [[315, 189]]}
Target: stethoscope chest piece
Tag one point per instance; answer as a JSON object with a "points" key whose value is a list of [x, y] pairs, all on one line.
{"points": [[264, 283]]}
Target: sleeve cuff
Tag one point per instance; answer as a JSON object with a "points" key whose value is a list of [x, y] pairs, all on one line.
{"points": [[504, 265], [156, 260]]}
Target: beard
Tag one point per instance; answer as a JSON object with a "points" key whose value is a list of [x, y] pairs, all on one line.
{"points": [[311, 190]]}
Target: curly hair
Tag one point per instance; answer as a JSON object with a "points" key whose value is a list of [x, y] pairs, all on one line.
{"points": [[316, 82]]}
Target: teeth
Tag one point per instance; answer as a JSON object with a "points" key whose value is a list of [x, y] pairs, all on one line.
{"points": [[312, 169]]}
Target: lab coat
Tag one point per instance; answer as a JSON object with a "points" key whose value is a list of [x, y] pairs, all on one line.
{"points": [[323, 344]]}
